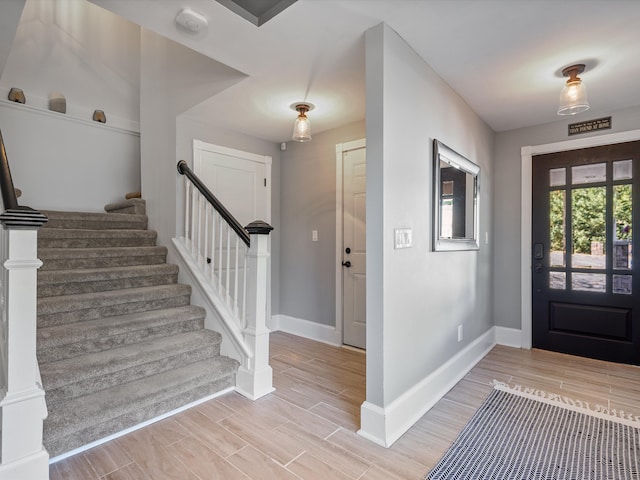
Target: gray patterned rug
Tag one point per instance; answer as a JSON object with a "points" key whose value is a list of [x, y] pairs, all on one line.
{"points": [[528, 434]]}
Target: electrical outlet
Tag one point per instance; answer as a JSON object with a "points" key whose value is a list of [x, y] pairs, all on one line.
{"points": [[314, 235], [459, 333]]}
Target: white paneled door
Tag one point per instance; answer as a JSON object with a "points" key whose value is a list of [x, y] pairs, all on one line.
{"points": [[240, 180], [354, 248]]}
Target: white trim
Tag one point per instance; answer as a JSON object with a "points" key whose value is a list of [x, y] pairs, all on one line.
{"points": [[527, 154], [341, 148], [509, 337], [307, 329], [34, 466], [386, 425], [117, 124], [146, 423]]}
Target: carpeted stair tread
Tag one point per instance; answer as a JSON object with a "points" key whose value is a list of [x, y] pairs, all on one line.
{"points": [[85, 419], [68, 282], [95, 220], [86, 374], [88, 306], [66, 341], [65, 258], [80, 238]]}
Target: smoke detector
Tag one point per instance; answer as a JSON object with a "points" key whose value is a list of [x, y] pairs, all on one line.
{"points": [[191, 20]]}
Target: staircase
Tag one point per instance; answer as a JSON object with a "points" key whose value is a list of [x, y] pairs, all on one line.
{"points": [[118, 342]]}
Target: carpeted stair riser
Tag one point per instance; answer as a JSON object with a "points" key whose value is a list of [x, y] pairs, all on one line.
{"points": [[68, 238], [105, 413], [90, 306], [53, 283], [67, 341], [95, 221], [66, 258], [109, 368]]}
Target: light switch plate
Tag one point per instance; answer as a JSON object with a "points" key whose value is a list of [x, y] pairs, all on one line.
{"points": [[403, 238]]}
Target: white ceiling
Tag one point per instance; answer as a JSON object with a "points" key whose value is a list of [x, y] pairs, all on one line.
{"points": [[502, 56]]}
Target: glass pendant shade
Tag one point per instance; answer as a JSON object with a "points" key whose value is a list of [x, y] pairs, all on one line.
{"points": [[573, 97], [302, 129]]}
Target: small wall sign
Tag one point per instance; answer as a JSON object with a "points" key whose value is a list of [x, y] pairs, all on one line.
{"points": [[603, 123]]}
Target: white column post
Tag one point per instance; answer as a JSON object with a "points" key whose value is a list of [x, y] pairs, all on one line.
{"points": [[255, 377], [22, 404]]}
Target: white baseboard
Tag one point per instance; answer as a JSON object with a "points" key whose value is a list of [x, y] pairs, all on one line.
{"points": [[509, 337], [34, 466], [386, 425], [306, 329]]}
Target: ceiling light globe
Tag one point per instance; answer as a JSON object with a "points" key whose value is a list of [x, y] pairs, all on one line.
{"points": [[302, 129], [573, 98]]}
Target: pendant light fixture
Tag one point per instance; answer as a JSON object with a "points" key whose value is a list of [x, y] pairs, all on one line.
{"points": [[573, 97], [302, 127]]}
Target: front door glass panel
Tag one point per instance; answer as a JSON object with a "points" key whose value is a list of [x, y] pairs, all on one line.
{"points": [[588, 227]]}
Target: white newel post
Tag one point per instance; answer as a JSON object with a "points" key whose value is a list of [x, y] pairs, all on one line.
{"points": [[22, 403], [255, 377]]}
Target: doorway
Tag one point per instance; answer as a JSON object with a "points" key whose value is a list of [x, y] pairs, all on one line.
{"points": [[351, 243], [584, 297]]}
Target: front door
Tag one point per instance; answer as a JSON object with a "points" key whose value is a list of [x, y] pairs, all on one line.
{"points": [[586, 287]]}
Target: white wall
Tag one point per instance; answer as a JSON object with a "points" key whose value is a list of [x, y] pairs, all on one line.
{"points": [[507, 201], [76, 48], [61, 163], [416, 298], [67, 161]]}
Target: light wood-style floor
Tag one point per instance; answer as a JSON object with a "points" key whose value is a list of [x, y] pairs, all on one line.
{"points": [[306, 428]]}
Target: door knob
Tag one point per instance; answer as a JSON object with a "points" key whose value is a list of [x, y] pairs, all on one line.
{"points": [[346, 264]]}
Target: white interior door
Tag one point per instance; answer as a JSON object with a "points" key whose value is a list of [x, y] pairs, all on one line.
{"points": [[240, 180], [354, 315]]}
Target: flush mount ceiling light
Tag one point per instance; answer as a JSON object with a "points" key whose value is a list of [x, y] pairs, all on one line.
{"points": [[302, 127], [573, 97]]}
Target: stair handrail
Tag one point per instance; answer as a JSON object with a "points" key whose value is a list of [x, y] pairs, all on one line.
{"points": [[9, 197], [183, 169]]}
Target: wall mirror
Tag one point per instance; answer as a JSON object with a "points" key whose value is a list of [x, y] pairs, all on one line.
{"points": [[456, 182]]}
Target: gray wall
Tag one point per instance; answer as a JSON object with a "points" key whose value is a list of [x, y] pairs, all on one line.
{"points": [[308, 202], [416, 298], [507, 172]]}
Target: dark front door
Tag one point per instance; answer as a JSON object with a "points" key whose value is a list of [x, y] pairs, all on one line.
{"points": [[586, 287]]}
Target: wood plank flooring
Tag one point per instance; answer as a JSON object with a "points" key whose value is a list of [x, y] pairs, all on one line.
{"points": [[307, 428]]}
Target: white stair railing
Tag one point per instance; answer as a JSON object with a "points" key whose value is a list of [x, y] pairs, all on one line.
{"points": [[230, 262]]}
